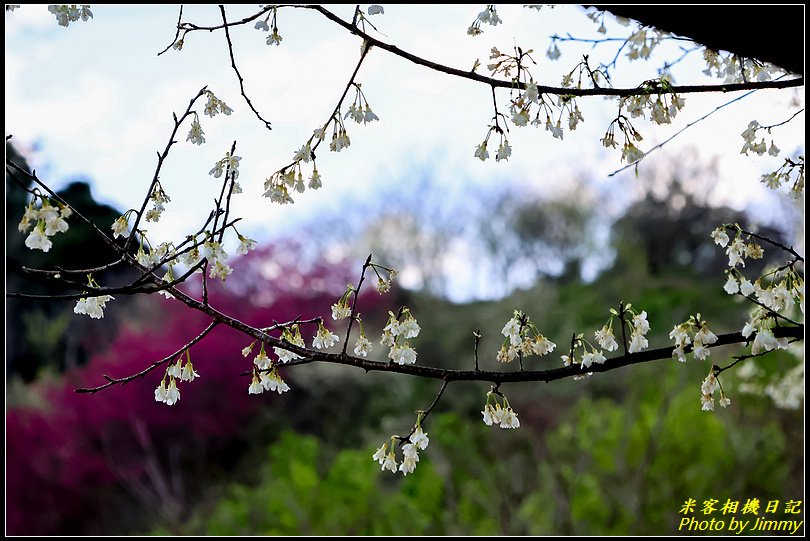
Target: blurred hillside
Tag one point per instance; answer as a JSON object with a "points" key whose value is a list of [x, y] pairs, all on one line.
{"points": [[617, 453]]}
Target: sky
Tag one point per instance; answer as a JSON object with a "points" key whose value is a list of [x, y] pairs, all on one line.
{"points": [[94, 100]]}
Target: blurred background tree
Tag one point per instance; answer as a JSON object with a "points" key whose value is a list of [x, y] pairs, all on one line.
{"points": [[614, 454]]}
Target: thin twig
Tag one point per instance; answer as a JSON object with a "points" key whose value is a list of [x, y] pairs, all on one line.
{"points": [[176, 34], [772, 242], [113, 381], [161, 158], [236, 70], [477, 335], [353, 313], [797, 113], [677, 133], [424, 414], [685, 89]]}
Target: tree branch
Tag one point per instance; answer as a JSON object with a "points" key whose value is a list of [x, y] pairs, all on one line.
{"points": [[113, 381], [686, 89], [236, 70]]}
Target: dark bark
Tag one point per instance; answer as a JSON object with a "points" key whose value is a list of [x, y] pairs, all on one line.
{"points": [[773, 33]]}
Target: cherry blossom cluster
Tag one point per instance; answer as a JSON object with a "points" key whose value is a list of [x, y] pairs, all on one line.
{"points": [[92, 306], [44, 220], [386, 455], [291, 334], [784, 288], [707, 389], [265, 374], [274, 38], [489, 16], [734, 69], [229, 163], [642, 42], [523, 339], [694, 331], [359, 110], [159, 198], [342, 309], [178, 371], [579, 354], [774, 292], [762, 322], [498, 412], [291, 177], [213, 107], [657, 99], [120, 226], [750, 136], [584, 353], [400, 327], [217, 257], [790, 173], [738, 249], [324, 338], [639, 327], [69, 13], [385, 277]]}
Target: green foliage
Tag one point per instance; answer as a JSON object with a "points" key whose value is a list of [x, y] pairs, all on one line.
{"points": [[616, 454], [625, 468], [303, 489], [610, 468]]}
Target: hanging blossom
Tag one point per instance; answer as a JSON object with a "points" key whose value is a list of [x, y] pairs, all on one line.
{"points": [[762, 323], [707, 389], [729, 67], [217, 257], [396, 334], [694, 331], [324, 338], [362, 346], [789, 173], [120, 226], [291, 334], [656, 98], [228, 162], [156, 256], [177, 371], [776, 291], [245, 245], [214, 106], [265, 373], [267, 381], [639, 327], [291, 178], [159, 198], [523, 338], [341, 309], [262, 24], [738, 249], [488, 16], [196, 134], [359, 110], [386, 456], [384, 282], [92, 306], [44, 221], [498, 412]]}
